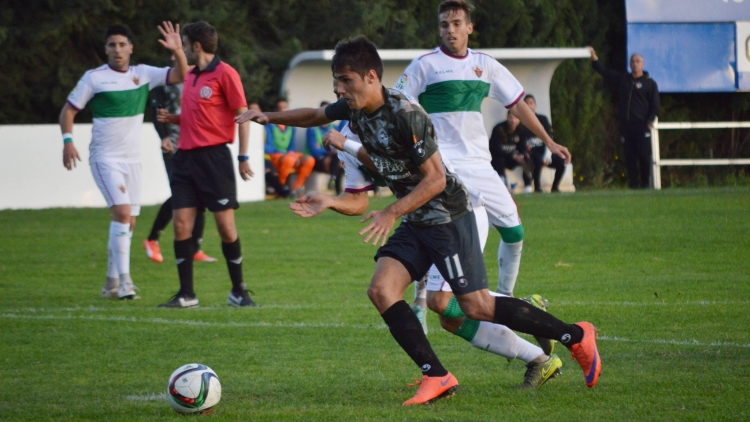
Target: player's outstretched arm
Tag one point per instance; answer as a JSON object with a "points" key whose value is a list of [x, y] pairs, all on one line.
{"points": [[70, 153], [337, 140], [299, 117], [173, 41], [314, 203], [529, 119]]}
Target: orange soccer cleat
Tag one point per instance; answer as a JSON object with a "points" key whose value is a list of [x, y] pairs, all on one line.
{"points": [[152, 250], [202, 257], [587, 355], [433, 388]]}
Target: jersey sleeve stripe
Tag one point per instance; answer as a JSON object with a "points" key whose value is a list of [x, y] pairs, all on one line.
{"points": [[509, 106], [360, 190], [166, 82], [425, 55], [75, 107]]}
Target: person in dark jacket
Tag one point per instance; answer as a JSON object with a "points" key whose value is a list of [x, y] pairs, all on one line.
{"points": [[539, 152], [639, 105]]}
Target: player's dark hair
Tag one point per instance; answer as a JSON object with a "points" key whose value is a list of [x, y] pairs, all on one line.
{"points": [[359, 55], [453, 6], [118, 30], [529, 96], [202, 32]]}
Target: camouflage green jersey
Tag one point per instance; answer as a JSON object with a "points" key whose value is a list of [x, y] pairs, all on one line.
{"points": [[399, 137]]}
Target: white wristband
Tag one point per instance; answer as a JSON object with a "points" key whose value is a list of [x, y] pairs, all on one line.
{"points": [[352, 147], [67, 138]]}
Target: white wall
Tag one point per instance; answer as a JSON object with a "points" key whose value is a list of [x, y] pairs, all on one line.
{"points": [[32, 174]]}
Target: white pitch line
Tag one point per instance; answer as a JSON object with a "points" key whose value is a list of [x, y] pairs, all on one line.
{"points": [[676, 342], [148, 397], [262, 324], [194, 323], [657, 303]]}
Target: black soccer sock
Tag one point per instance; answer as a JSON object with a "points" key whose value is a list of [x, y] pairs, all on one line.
{"points": [[519, 315], [198, 225], [408, 332], [183, 253], [162, 219], [233, 254]]}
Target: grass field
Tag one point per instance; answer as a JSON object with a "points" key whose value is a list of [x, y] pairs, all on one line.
{"points": [[665, 276]]}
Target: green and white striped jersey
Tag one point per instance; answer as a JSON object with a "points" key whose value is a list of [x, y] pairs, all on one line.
{"points": [[451, 90], [118, 101]]}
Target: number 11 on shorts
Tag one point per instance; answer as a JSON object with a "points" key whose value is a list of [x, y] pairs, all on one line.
{"points": [[451, 267]]}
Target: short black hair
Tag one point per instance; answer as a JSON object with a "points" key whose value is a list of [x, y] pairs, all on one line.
{"points": [[324, 103], [453, 6], [529, 96], [118, 30], [359, 55], [203, 33]]}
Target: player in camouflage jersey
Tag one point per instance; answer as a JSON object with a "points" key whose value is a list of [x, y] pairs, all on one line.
{"points": [[438, 224]]}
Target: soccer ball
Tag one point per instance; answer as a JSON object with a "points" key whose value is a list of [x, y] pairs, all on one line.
{"points": [[193, 388]]}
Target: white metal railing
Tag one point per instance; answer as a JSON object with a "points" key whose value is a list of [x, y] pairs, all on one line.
{"points": [[658, 162]]}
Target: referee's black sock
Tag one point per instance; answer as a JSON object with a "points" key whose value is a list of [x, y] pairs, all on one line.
{"points": [[183, 253], [233, 254], [519, 315], [408, 332]]}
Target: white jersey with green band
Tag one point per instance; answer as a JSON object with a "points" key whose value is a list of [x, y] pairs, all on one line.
{"points": [[451, 90], [118, 101]]}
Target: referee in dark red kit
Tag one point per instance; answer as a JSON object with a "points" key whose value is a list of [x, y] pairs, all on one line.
{"points": [[203, 174]]}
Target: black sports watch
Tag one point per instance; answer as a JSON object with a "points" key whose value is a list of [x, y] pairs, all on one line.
{"points": [[242, 158]]}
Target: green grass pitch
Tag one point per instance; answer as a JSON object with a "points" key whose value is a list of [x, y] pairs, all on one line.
{"points": [[664, 275]]}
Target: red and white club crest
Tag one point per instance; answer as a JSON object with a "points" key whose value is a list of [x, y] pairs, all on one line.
{"points": [[478, 71], [136, 80], [206, 92]]}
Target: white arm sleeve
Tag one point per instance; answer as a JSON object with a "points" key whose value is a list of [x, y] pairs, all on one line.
{"points": [[504, 87], [155, 76], [411, 82], [82, 93]]}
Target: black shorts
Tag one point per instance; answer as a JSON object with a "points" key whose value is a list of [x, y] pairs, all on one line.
{"points": [[204, 177], [453, 247]]}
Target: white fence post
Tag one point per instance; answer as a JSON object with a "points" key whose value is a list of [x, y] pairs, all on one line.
{"points": [[655, 157]]}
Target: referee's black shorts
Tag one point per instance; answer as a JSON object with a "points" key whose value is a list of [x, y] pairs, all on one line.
{"points": [[204, 177], [453, 247]]}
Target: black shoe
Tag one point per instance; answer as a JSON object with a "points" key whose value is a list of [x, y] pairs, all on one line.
{"points": [[180, 301], [241, 300]]}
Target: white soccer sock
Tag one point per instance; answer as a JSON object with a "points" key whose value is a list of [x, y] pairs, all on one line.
{"points": [[119, 235], [509, 260], [420, 289], [483, 224], [501, 340], [111, 266]]}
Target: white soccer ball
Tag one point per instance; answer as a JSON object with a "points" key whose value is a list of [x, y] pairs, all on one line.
{"points": [[193, 388]]}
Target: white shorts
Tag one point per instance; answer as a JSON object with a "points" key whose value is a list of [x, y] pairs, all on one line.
{"points": [[120, 183], [487, 188]]}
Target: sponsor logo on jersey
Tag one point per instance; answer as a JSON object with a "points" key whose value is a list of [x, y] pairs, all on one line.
{"points": [[442, 72], [403, 79], [206, 92], [418, 146], [136, 80], [383, 136], [393, 170], [478, 71]]}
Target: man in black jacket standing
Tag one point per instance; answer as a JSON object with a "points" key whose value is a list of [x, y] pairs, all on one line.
{"points": [[639, 105]]}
